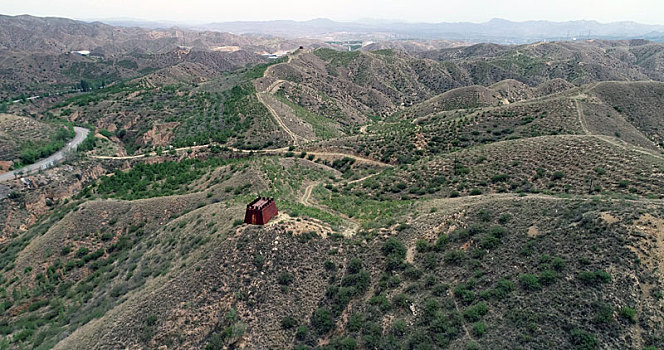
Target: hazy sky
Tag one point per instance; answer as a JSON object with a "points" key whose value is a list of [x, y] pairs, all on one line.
{"points": [[644, 11]]}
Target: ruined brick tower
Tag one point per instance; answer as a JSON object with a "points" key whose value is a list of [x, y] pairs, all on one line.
{"points": [[260, 211]]}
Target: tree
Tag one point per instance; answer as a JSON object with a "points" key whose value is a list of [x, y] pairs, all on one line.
{"points": [[322, 320], [85, 85]]}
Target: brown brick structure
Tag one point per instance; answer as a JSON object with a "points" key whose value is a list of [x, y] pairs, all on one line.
{"points": [[260, 211]]}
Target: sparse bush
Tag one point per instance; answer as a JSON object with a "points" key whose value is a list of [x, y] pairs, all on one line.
{"points": [[479, 328], [583, 340], [594, 277], [394, 248], [530, 282], [548, 277], [475, 312], [302, 332], [285, 278], [557, 175], [558, 264], [628, 313], [455, 257], [288, 322]]}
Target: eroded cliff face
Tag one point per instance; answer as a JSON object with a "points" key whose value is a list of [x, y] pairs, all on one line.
{"points": [[160, 135], [38, 193]]}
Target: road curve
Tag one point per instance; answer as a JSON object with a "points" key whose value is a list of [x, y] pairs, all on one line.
{"points": [[81, 134]]}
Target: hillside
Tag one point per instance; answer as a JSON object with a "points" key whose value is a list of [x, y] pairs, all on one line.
{"points": [[639, 103], [479, 197], [492, 270]]}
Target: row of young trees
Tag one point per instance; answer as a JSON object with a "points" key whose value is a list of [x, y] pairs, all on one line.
{"points": [[32, 152]]}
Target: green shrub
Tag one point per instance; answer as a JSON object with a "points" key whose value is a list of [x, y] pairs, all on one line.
{"points": [[394, 248], [288, 322], [440, 289], [583, 340], [548, 277], [354, 265], [65, 250], [628, 313], [603, 313], [381, 302], [489, 242], [500, 178], [455, 257], [503, 287], [463, 291], [422, 245], [400, 301], [557, 175], [475, 312], [285, 278], [441, 242], [479, 328], [558, 264], [530, 282], [322, 321], [302, 332], [81, 252], [594, 277]]}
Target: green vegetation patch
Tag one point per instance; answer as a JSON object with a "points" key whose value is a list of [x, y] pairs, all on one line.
{"points": [[31, 152], [158, 179], [337, 58]]}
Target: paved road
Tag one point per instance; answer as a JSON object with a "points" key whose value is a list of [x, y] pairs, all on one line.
{"points": [[81, 134]]}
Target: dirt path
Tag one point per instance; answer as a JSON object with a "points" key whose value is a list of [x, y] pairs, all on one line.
{"points": [[458, 309], [307, 194], [319, 154], [272, 89], [608, 139], [275, 86], [362, 179], [277, 118], [289, 60], [151, 154], [579, 113], [351, 226], [628, 146]]}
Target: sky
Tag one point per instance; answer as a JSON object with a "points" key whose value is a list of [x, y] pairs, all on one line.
{"points": [[205, 11]]}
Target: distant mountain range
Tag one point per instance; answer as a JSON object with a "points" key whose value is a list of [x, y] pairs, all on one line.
{"points": [[496, 30]]}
